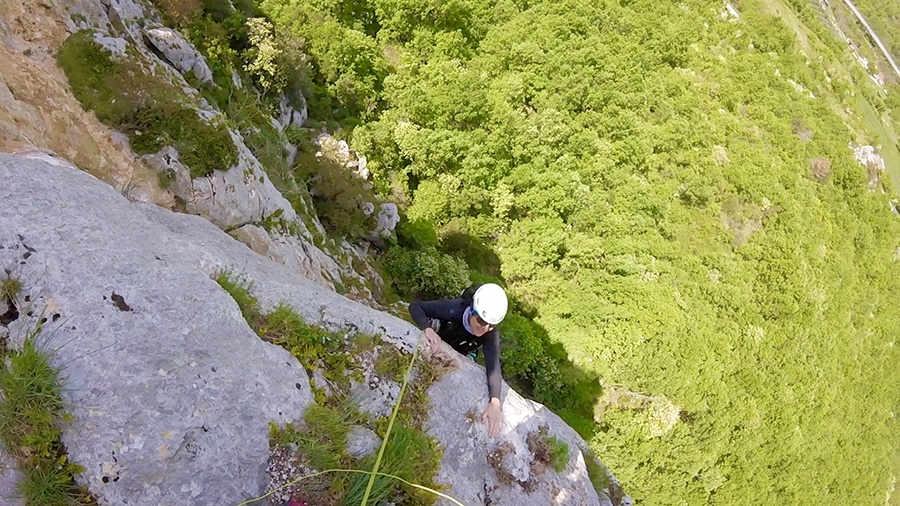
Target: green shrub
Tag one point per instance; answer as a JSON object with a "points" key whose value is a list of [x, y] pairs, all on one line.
{"points": [[336, 193], [597, 473], [349, 66], [416, 234], [180, 12], [148, 109], [426, 273], [520, 346], [548, 450], [559, 453]]}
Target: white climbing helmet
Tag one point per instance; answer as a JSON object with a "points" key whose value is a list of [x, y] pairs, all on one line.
{"points": [[490, 303]]}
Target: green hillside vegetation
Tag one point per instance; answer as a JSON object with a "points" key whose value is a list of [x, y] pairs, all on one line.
{"points": [[703, 283]]}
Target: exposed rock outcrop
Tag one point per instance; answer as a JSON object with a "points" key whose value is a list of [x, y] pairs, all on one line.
{"points": [[170, 389], [36, 108], [179, 52], [288, 115], [339, 152], [869, 158]]}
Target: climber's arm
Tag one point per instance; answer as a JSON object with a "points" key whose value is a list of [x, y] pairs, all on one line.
{"points": [[427, 314], [492, 414], [423, 312], [492, 364]]}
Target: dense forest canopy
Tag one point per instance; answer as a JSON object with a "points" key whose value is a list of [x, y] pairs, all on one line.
{"points": [[703, 277]]}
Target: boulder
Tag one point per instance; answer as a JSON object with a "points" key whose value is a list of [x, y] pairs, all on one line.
{"points": [[869, 158], [179, 52], [362, 442], [387, 220], [115, 45]]}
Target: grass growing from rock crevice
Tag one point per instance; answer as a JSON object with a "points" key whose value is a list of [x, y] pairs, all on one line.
{"points": [[31, 411], [144, 106], [321, 443], [410, 455], [548, 450]]}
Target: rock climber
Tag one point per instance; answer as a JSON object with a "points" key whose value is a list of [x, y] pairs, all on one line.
{"points": [[468, 324]]}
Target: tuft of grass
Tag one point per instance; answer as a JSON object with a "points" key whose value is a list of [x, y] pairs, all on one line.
{"points": [[323, 446], [559, 453], [31, 411], [391, 363], [315, 347], [414, 456], [548, 450], [144, 106], [410, 454], [239, 289], [10, 288], [414, 407]]}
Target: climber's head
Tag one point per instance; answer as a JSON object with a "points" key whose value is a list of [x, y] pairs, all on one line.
{"points": [[489, 306]]}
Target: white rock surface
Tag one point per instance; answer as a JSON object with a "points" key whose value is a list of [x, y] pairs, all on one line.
{"points": [[115, 45], [387, 220], [298, 255], [179, 52], [869, 158], [125, 15], [229, 198], [171, 391]]}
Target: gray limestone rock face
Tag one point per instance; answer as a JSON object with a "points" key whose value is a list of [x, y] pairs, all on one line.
{"points": [[179, 52], [9, 477], [298, 255], [229, 198], [499, 471], [171, 391]]}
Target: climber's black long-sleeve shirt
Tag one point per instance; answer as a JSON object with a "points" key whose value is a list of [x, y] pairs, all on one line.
{"points": [[445, 317]]}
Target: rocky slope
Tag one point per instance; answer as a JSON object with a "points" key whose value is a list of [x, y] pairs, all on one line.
{"points": [[38, 108], [170, 389]]}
